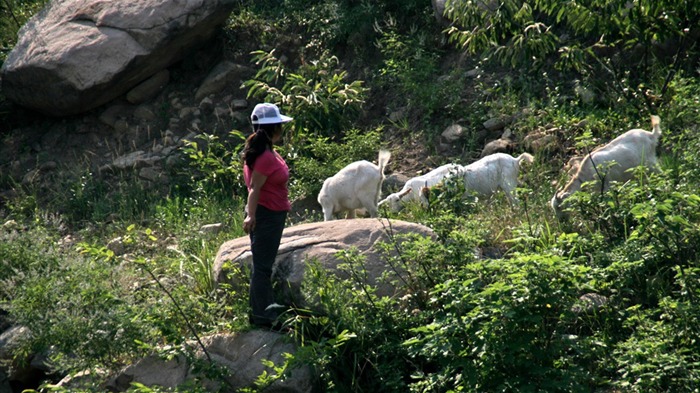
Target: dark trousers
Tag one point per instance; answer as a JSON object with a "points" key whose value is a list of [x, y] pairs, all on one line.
{"points": [[264, 243]]}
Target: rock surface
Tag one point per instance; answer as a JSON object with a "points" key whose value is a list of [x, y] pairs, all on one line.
{"points": [[76, 55], [318, 241], [239, 355]]}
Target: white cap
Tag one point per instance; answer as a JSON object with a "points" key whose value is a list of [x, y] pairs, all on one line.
{"points": [[267, 113]]}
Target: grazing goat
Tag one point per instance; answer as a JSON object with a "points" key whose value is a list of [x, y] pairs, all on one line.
{"points": [[494, 172], [612, 162], [411, 191], [356, 186]]}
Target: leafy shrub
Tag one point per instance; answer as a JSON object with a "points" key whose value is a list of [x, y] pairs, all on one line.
{"points": [[23, 250], [323, 158], [501, 326], [408, 68], [13, 15], [217, 169], [317, 95], [661, 354], [581, 37], [343, 25], [77, 309], [353, 336]]}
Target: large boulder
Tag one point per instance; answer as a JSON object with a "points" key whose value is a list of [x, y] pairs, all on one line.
{"points": [[241, 354], [76, 55], [319, 241]]}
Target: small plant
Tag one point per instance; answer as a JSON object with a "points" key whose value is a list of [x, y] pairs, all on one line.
{"points": [[216, 163], [323, 158], [317, 95], [524, 35]]}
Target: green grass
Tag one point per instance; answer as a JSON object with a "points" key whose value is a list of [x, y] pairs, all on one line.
{"points": [[466, 324]]}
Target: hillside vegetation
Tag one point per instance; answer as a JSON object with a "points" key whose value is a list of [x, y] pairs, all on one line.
{"points": [[605, 301]]}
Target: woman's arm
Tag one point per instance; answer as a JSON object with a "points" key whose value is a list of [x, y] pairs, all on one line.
{"points": [[257, 180]]}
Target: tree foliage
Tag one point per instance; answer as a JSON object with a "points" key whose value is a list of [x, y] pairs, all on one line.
{"points": [[637, 46]]}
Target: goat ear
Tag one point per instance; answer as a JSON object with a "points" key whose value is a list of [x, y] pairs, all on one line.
{"points": [[408, 190]]}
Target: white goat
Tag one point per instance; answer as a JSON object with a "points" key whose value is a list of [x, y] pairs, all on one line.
{"points": [[494, 172], [356, 186], [613, 161], [411, 191]]}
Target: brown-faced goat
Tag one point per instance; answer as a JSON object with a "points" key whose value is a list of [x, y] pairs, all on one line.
{"points": [[483, 178], [613, 162], [411, 191], [356, 186]]}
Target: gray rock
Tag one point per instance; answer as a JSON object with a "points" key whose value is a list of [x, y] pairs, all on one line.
{"points": [[473, 73], [206, 104], [10, 339], [4, 383], [144, 113], [439, 12], [134, 160], [149, 88], [239, 104], [393, 183], [398, 115], [241, 354], [83, 380], [10, 225], [221, 111], [115, 112], [319, 241], [497, 123], [84, 53], [189, 112], [541, 140], [211, 228], [121, 126], [501, 145], [152, 371], [117, 246], [223, 74], [590, 303], [452, 134], [152, 174]]}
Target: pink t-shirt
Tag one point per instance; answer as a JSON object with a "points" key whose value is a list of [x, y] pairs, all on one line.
{"points": [[273, 194]]}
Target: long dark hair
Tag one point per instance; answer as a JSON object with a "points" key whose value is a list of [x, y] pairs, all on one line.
{"points": [[259, 141]]}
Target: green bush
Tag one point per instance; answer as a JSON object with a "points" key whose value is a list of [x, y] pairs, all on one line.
{"points": [[662, 353], [629, 50], [323, 158], [215, 165], [13, 15], [501, 325], [317, 94]]}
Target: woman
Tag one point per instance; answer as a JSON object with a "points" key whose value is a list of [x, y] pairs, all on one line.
{"points": [[266, 176]]}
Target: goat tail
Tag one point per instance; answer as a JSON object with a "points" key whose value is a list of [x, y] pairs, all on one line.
{"points": [[382, 160], [527, 157], [656, 126]]}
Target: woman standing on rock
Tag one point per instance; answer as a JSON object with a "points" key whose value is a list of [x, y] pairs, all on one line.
{"points": [[266, 175]]}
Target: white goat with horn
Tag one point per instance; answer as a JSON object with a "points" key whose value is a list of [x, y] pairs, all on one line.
{"points": [[411, 191], [613, 162]]}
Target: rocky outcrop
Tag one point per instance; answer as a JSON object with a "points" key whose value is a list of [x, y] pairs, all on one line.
{"points": [[240, 356], [504, 144], [76, 55], [319, 241], [22, 372], [439, 12]]}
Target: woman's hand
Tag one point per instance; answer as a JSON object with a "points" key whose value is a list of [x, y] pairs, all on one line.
{"points": [[249, 224]]}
